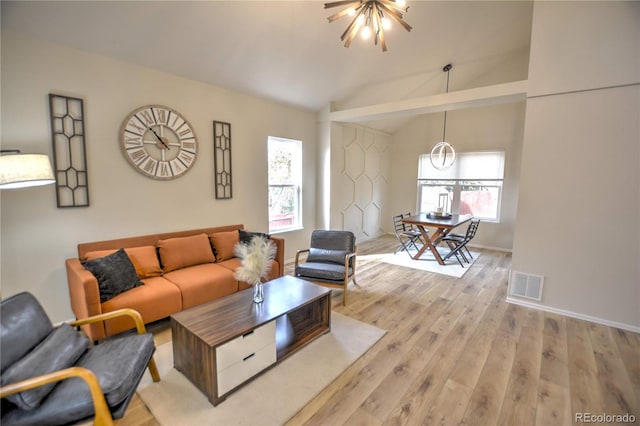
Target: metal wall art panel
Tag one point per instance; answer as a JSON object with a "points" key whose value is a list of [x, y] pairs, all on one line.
{"points": [[69, 151], [222, 159]]}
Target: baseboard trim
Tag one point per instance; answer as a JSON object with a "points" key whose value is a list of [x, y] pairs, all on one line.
{"points": [[608, 323], [480, 246]]}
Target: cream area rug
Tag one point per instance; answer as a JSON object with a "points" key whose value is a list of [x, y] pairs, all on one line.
{"points": [[427, 262], [270, 399]]}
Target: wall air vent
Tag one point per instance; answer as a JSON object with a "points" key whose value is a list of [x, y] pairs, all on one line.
{"points": [[526, 285]]}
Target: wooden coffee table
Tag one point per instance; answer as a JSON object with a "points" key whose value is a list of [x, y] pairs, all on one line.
{"points": [[225, 343]]}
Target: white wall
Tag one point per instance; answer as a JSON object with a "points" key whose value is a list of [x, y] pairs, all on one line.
{"points": [[579, 207], [37, 236], [360, 174]]}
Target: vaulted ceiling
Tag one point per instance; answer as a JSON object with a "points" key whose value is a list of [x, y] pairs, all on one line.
{"points": [[286, 50]]}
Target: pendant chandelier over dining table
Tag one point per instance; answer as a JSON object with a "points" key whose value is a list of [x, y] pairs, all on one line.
{"points": [[442, 154], [370, 18]]}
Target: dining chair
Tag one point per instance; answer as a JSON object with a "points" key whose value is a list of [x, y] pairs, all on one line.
{"points": [[406, 236], [411, 228], [458, 243]]}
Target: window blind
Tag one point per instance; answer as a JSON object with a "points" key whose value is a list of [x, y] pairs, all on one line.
{"points": [[484, 165]]}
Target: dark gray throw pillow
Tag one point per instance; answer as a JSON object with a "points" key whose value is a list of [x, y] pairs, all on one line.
{"points": [[115, 274], [247, 236], [59, 350]]}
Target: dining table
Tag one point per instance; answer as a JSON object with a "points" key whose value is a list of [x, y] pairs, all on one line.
{"points": [[443, 224]]}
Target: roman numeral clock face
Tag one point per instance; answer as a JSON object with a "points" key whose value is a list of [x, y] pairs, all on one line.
{"points": [[158, 142]]}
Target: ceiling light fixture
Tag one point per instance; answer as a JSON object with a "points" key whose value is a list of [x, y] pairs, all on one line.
{"points": [[370, 16], [443, 155]]}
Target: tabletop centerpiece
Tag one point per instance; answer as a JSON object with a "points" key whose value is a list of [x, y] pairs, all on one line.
{"points": [[257, 257]]}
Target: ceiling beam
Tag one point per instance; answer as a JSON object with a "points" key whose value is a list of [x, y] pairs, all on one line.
{"points": [[471, 98]]}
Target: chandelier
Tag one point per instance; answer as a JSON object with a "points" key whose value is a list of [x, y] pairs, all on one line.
{"points": [[442, 154], [370, 18]]}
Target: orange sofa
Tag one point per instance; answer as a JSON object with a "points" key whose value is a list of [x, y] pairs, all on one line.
{"points": [[178, 270]]}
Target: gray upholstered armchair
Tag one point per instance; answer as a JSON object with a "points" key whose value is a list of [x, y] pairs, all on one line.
{"points": [[330, 260], [53, 375]]}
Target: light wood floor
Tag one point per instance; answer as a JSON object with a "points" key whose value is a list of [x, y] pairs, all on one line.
{"points": [[456, 353]]}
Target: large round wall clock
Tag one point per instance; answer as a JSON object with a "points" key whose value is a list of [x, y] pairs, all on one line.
{"points": [[158, 142]]}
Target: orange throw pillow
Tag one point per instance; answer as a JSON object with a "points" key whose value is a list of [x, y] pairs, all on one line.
{"points": [[224, 243], [182, 252], [144, 259]]}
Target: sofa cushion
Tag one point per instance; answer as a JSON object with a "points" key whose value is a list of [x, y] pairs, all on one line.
{"points": [[182, 252], [203, 283], [224, 244], [115, 274], [157, 298], [144, 259], [60, 350]]}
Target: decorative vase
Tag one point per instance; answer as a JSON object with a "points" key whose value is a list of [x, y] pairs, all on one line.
{"points": [[258, 292]]}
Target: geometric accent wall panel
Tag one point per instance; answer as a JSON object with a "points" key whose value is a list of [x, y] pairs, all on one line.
{"points": [[354, 160], [359, 186], [364, 191], [222, 159], [69, 151]]}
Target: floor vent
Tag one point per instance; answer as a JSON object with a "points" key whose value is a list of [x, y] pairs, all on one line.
{"points": [[526, 285]]}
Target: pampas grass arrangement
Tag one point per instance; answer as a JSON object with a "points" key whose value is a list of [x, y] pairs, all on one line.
{"points": [[256, 260]]}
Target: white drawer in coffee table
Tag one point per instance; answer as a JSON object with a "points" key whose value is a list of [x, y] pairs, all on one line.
{"points": [[239, 372], [236, 350]]}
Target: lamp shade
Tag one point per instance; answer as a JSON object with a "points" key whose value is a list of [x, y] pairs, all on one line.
{"points": [[24, 170]]}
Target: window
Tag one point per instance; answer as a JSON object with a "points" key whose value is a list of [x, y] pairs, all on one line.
{"points": [[473, 185], [285, 184]]}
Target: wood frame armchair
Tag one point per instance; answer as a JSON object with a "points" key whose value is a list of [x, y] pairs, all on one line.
{"points": [[140, 329], [330, 260], [102, 412]]}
